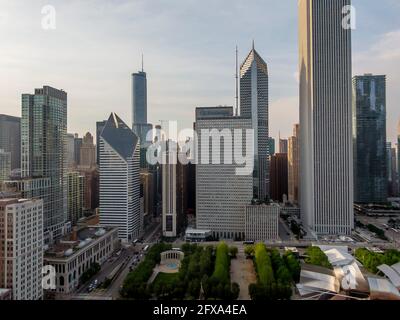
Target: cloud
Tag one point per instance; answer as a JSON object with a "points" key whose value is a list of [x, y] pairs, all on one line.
{"points": [[283, 114], [383, 57]]}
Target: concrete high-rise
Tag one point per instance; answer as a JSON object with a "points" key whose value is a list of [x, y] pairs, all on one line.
{"points": [[21, 247], [254, 106], [369, 134], [10, 138], [293, 165], [326, 151], [87, 152], [262, 222], [221, 194], [171, 193], [43, 150], [120, 180]]}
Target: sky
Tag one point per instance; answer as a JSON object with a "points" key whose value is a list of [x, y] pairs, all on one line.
{"points": [[189, 55]]}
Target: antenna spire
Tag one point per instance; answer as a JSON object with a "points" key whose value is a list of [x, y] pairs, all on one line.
{"points": [[237, 83], [253, 45], [142, 63]]}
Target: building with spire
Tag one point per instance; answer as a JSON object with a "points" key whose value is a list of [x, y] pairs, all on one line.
{"points": [[139, 112], [120, 179], [254, 106]]}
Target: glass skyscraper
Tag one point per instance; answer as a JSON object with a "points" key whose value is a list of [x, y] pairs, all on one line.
{"points": [[254, 106], [43, 162], [369, 133], [139, 113], [10, 138]]}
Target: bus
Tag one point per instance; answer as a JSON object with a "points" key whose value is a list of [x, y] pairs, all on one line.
{"points": [[248, 242], [145, 248]]}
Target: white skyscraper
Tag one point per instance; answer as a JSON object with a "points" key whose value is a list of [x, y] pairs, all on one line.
{"points": [[326, 160], [21, 247], [119, 179], [221, 194]]}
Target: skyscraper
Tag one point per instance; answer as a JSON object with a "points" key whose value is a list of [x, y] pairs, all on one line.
{"points": [[119, 179], [75, 194], [221, 194], [394, 191], [271, 146], [139, 98], [171, 192], [10, 138], [326, 153], [279, 177], [254, 106], [21, 247], [43, 132], [389, 164], [87, 151], [369, 134], [5, 165], [139, 112], [70, 148], [283, 145], [91, 188], [398, 157], [293, 165], [77, 149]]}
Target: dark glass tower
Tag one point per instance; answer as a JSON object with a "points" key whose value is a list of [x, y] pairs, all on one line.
{"points": [[139, 113], [369, 132], [10, 138]]}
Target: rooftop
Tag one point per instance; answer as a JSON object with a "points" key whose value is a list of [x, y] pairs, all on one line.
{"points": [[76, 241]]}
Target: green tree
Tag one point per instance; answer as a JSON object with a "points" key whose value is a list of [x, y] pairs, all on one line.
{"points": [[235, 291], [233, 251]]}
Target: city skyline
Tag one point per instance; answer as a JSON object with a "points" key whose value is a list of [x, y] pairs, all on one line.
{"points": [[271, 175], [211, 57]]}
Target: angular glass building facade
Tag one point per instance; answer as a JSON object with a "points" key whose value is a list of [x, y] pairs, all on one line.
{"points": [[369, 133], [254, 106]]}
